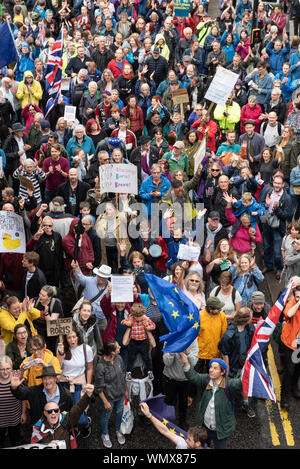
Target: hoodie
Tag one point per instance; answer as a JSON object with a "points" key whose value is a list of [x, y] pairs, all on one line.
{"points": [[28, 95], [164, 49]]}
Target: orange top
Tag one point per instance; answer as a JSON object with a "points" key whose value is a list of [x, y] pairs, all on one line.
{"points": [[291, 329]]}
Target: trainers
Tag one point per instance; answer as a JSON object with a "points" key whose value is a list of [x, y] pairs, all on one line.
{"points": [[150, 375], [120, 438], [128, 376], [249, 411], [106, 441]]}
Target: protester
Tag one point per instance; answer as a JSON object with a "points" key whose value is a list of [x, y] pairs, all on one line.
{"points": [[138, 76], [110, 386], [12, 412]]}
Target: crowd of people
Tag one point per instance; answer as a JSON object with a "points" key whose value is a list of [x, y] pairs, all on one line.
{"points": [[123, 62]]}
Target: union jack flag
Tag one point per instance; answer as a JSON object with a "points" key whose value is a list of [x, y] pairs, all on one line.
{"points": [[53, 72], [255, 380]]}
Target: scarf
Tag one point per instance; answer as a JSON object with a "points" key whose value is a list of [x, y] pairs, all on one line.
{"points": [[145, 167]]}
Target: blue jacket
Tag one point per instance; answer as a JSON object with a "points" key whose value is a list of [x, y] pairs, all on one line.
{"points": [[247, 284], [24, 64], [3, 156], [230, 345], [294, 178], [295, 71], [277, 58], [173, 248], [288, 89], [245, 185], [254, 207], [241, 7], [87, 146], [234, 148], [147, 186], [229, 49]]}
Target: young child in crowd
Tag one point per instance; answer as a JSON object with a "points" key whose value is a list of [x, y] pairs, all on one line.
{"points": [[85, 209], [248, 204], [140, 327]]}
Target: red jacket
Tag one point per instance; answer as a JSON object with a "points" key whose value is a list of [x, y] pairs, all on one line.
{"points": [[85, 251], [213, 132], [136, 118], [114, 68], [130, 141], [187, 23], [111, 315], [250, 113]]}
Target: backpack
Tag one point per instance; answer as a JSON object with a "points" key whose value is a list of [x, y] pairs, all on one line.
{"points": [[233, 293], [264, 126]]}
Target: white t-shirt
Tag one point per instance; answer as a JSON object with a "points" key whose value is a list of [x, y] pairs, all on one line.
{"points": [[229, 307], [76, 366], [181, 444]]}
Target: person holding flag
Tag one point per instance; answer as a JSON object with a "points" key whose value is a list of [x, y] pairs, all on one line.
{"points": [[53, 73], [196, 436], [290, 342], [256, 382], [216, 408]]}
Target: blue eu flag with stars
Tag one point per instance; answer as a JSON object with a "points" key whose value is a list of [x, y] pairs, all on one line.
{"points": [[179, 313]]}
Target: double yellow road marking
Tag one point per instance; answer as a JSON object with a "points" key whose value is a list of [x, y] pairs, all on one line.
{"points": [[287, 427]]}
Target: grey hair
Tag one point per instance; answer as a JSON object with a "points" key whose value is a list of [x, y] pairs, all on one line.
{"points": [[29, 161], [187, 278], [88, 218]]}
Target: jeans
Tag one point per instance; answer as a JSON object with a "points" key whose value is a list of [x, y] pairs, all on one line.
{"points": [[212, 436], [272, 248], [135, 347], [117, 406], [49, 195], [83, 421]]}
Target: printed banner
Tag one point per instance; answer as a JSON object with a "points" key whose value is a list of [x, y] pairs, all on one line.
{"points": [[182, 8]]}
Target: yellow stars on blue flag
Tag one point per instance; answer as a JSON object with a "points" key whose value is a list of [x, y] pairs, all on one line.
{"points": [[175, 314], [190, 317], [196, 325]]}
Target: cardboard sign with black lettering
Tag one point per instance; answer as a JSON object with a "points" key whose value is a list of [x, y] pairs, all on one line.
{"points": [[61, 326]]}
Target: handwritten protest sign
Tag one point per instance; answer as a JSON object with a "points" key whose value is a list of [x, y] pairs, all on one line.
{"points": [[25, 182], [118, 178], [180, 96], [12, 233], [61, 326], [122, 288], [188, 253], [221, 86]]}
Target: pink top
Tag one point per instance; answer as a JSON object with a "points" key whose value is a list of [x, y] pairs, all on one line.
{"points": [[241, 241]]}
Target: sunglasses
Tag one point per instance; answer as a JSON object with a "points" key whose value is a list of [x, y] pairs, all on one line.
{"points": [[50, 411], [216, 170]]}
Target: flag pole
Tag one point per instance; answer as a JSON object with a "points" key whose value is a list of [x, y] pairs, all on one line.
{"points": [[12, 36]]}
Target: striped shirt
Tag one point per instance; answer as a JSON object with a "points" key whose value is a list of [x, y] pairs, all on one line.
{"points": [[35, 177], [10, 407]]}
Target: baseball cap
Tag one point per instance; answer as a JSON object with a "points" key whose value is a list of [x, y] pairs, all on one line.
{"points": [[178, 144], [214, 215]]}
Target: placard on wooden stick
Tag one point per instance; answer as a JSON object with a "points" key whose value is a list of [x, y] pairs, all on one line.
{"points": [[61, 326], [180, 96]]}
